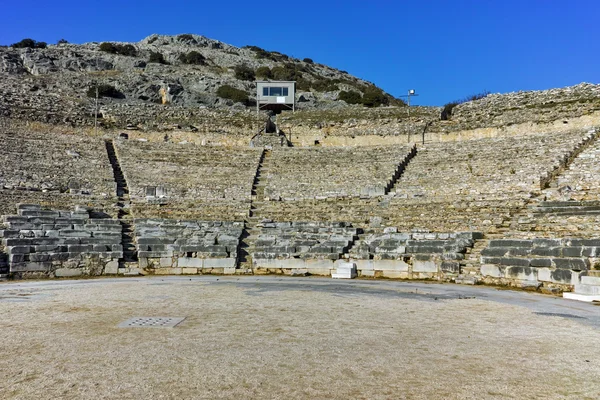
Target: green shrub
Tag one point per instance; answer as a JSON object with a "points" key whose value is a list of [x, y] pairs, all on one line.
{"points": [[29, 43], [446, 113], [374, 97], [122, 49], [186, 37], [286, 72], [105, 90], [193, 57], [351, 97], [244, 72], [62, 41], [108, 47], [156, 57], [264, 72], [308, 60], [231, 93], [324, 85]]}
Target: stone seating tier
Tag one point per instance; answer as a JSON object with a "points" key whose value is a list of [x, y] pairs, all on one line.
{"points": [[581, 181], [509, 167], [317, 173], [60, 243], [306, 240], [457, 216], [178, 246], [539, 261], [187, 171], [55, 163]]}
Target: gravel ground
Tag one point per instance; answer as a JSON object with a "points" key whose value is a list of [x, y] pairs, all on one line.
{"points": [[293, 338]]}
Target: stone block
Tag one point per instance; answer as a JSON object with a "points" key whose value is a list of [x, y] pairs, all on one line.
{"points": [[189, 271], [74, 233], [590, 280], [516, 262], [452, 267], [540, 262], [584, 242], [81, 248], [390, 265], [189, 262], [521, 273], [229, 271], [313, 264], [541, 242], [547, 251], [18, 249], [572, 251], [510, 243], [67, 272], [364, 265], [155, 254], [219, 263], [577, 264], [165, 262], [31, 267], [111, 267], [7, 233], [495, 251], [492, 270], [424, 266]]}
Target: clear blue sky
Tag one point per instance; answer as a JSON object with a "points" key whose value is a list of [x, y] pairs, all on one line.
{"points": [[443, 49]]}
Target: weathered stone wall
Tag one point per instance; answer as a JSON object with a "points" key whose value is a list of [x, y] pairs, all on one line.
{"points": [[187, 247], [549, 263], [47, 243]]}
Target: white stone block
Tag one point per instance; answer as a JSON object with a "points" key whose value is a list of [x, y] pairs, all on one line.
{"points": [[544, 275], [425, 266], [189, 262], [590, 280], [364, 265], [111, 268], [390, 265], [581, 297], [491, 270], [219, 263], [166, 262], [590, 290], [318, 264]]}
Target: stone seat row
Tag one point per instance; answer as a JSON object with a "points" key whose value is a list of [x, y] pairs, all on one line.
{"points": [[202, 245], [309, 173], [582, 179], [303, 240], [188, 171], [60, 243], [538, 261], [55, 162], [516, 166]]}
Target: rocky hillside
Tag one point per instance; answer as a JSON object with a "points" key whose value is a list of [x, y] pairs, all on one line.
{"points": [[184, 70]]}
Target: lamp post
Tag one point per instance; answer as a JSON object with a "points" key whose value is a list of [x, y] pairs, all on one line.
{"points": [[411, 92]]}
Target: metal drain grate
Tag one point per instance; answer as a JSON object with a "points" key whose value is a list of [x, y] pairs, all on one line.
{"points": [[151, 322]]}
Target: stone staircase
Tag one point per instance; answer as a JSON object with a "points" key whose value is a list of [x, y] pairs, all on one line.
{"points": [[251, 229], [124, 204], [391, 187]]}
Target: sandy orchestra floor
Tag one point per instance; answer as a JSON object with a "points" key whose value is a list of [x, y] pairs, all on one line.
{"points": [[272, 337]]}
